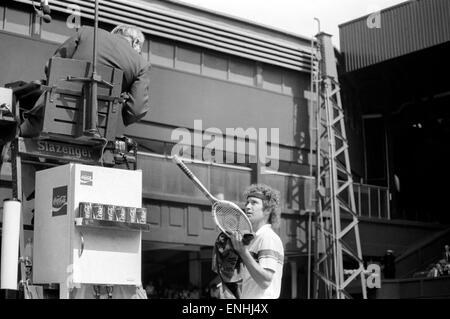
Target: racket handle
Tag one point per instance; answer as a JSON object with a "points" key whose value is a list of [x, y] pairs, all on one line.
{"points": [[183, 166], [191, 175], [247, 238]]}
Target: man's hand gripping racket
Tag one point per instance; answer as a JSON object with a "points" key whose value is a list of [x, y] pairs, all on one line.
{"points": [[227, 215]]}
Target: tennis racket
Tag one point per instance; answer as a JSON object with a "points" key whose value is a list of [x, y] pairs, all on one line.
{"points": [[227, 215]]}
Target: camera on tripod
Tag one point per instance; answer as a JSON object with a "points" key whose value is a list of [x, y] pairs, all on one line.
{"points": [[43, 11], [124, 150]]}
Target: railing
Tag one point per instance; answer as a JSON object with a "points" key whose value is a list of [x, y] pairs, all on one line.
{"points": [[161, 176], [372, 201], [299, 195]]}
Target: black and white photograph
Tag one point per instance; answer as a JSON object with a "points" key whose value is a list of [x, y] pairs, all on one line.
{"points": [[200, 152]]}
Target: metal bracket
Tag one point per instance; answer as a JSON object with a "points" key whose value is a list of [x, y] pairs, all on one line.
{"points": [[52, 94]]}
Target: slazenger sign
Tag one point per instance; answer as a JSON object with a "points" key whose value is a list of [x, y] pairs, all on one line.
{"points": [[59, 150]]}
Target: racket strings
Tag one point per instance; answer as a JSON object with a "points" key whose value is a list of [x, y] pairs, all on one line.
{"points": [[232, 219]]}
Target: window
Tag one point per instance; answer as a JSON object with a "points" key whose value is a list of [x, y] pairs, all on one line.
{"points": [[293, 84], [2, 16], [242, 71], [215, 66], [17, 21], [272, 78], [188, 60], [161, 53]]}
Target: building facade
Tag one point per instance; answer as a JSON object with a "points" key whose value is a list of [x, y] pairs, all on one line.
{"points": [[218, 86], [230, 94], [396, 64]]}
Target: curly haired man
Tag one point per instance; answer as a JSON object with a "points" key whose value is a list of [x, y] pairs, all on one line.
{"points": [[263, 258]]}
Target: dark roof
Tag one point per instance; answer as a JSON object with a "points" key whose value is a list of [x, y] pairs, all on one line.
{"points": [[396, 31]]}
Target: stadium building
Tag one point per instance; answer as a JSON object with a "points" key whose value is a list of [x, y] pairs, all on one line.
{"points": [[395, 65], [231, 94]]}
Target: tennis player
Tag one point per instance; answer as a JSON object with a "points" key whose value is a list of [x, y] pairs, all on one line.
{"points": [[263, 258]]}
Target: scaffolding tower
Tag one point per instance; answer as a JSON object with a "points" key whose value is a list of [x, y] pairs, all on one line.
{"points": [[329, 241]]}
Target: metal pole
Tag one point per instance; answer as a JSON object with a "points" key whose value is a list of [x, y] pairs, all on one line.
{"points": [[16, 167], [293, 279], [311, 114], [93, 117], [94, 60], [314, 107]]}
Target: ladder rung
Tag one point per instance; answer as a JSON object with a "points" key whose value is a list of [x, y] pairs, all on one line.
{"points": [[343, 169], [338, 118], [338, 107], [349, 279], [334, 82], [325, 279], [347, 229], [342, 149], [339, 135], [336, 89], [350, 252], [341, 188], [347, 209]]}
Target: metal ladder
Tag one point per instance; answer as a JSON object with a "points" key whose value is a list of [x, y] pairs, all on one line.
{"points": [[334, 185]]}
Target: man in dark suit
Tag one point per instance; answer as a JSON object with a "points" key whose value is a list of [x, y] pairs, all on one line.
{"points": [[119, 49]]}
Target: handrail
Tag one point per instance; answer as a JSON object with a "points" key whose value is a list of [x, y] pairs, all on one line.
{"points": [[372, 186], [270, 172], [373, 207], [188, 160]]}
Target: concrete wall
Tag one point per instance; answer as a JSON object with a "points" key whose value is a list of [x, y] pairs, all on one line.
{"points": [[23, 58], [421, 288], [178, 98], [377, 236]]}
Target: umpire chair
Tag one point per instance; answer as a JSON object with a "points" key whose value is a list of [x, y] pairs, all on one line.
{"points": [[61, 138]]}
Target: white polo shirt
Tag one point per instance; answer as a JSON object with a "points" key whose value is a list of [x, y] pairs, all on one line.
{"points": [[268, 251]]}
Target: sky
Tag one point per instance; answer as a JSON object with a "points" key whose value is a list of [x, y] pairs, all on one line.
{"points": [[297, 16]]}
